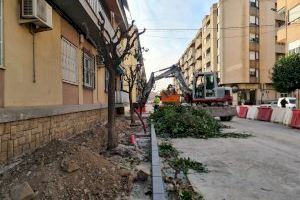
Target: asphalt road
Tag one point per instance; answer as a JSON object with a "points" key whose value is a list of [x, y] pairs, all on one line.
{"points": [[266, 166]]}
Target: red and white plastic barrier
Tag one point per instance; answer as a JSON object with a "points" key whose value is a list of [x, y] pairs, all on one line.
{"points": [[264, 113], [288, 117], [243, 112], [284, 116], [278, 115], [295, 121], [252, 112]]}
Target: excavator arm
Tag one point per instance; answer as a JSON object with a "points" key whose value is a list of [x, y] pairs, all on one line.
{"points": [[173, 71]]}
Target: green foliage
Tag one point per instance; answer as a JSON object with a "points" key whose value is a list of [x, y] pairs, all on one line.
{"points": [[176, 121], [185, 164], [189, 194], [234, 135], [166, 150], [286, 74]]}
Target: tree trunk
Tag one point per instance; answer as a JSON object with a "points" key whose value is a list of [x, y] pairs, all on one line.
{"points": [[132, 121], [111, 126]]}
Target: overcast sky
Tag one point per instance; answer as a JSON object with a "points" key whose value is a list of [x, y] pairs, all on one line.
{"points": [[166, 47]]}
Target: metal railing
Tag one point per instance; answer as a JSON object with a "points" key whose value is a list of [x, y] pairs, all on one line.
{"points": [[121, 97], [97, 8]]}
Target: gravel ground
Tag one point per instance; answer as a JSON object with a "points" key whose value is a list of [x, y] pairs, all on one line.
{"points": [[266, 166]]}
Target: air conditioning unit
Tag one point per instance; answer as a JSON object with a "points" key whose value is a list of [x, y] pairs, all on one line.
{"points": [[38, 12]]}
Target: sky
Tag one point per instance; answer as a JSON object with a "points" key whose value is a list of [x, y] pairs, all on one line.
{"points": [[166, 46]]}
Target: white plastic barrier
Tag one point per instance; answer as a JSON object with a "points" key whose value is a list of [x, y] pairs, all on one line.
{"points": [[252, 112], [238, 109], [288, 117], [278, 115]]}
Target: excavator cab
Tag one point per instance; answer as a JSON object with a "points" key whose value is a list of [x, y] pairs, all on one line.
{"points": [[206, 89]]}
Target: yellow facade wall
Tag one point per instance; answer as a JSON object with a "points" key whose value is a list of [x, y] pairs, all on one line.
{"points": [[20, 89], [102, 95]]}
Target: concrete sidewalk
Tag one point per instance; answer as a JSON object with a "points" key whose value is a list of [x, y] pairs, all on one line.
{"points": [[265, 167]]}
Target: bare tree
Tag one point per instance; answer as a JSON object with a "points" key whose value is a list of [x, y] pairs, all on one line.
{"points": [[141, 87], [108, 46], [131, 73]]}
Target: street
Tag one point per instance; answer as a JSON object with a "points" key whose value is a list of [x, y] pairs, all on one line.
{"points": [[266, 166]]}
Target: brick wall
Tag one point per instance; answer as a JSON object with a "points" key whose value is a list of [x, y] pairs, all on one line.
{"points": [[17, 138]]}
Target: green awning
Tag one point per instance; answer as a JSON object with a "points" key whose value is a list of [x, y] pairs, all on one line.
{"points": [[120, 71]]}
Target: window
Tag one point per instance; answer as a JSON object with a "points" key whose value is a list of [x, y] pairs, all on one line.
{"points": [[1, 32], [254, 55], [294, 47], [88, 71], [68, 62], [254, 3], [252, 72], [253, 37], [254, 20], [294, 14]]}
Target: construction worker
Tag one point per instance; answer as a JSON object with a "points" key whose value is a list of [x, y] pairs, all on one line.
{"points": [[156, 103]]}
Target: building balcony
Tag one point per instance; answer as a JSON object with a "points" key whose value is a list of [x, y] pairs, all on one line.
{"points": [[254, 64], [198, 43], [253, 46], [280, 48], [84, 14], [254, 11], [279, 17], [199, 55], [121, 97], [198, 66], [186, 66], [253, 79], [281, 35], [191, 62], [254, 29]]}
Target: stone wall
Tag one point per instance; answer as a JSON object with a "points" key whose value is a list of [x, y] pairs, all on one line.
{"points": [[24, 136]]}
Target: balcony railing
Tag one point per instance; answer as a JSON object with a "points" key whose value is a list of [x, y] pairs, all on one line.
{"points": [[121, 97], [198, 43], [279, 17], [199, 54], [253, 46], [281, 34], [280, 48]]}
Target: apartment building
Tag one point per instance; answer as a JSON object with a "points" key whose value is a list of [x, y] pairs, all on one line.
{"points": [[53, 83], [198, 50], [209, 41], [239, 43], [289, 32], [248, 66]]}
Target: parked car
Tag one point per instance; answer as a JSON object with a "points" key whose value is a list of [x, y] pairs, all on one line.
{"points": [[291, 102], [271, 104]]}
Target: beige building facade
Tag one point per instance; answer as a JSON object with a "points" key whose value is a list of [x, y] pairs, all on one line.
{"points": [[53, 82], [239, 43], [289, 32]]}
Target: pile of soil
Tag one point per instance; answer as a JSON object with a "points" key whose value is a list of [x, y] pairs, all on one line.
{"points": [[73, 169]]}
